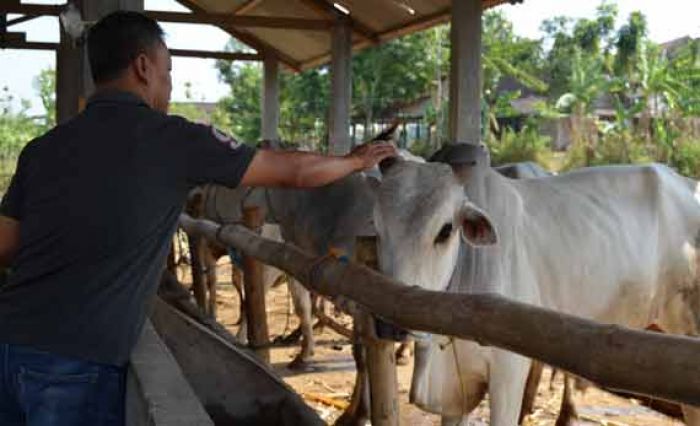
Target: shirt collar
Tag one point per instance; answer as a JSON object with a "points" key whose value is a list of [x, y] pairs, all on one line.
{"points": [[112, 96]]}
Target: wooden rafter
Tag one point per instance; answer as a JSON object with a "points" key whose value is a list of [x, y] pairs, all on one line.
{"points": [[19, 20], [18, 41], [225, 19], [198, 17], [420, 24], [327, 9], [249, 39], [26, 45], [246, 7], [31, 9], [229, 56]]}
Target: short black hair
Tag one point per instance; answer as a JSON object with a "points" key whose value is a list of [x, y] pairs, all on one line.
{"points": [[117, 39]]}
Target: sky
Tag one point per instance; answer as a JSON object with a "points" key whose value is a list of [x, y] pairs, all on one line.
{"points": [[667, 20]]}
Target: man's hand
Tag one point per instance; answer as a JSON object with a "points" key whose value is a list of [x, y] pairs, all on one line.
{"points": [[370, 154]]}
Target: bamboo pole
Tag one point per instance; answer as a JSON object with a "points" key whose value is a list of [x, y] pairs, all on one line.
{"points": [[258, 334], [612, 356]]}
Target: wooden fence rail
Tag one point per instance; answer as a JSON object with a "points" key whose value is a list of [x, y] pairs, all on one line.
{"points": [[615, 357]]}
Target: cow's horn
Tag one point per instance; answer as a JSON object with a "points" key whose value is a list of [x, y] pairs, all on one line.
{"points": [[388, 133]]}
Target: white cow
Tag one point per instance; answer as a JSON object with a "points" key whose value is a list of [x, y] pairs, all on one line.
{"points": [[614, 244]]}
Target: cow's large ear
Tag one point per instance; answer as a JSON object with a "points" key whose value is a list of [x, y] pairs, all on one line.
{"points": [[476, 227]]}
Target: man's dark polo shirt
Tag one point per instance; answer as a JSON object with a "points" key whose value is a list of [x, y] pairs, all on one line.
{"points": [[98, 200]]}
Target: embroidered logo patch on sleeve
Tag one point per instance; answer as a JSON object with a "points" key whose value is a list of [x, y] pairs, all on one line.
{"points": [[224, 138]]}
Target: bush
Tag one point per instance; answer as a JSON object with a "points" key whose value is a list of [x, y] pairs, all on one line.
{"points": [[615, 147], [686, 158], [514, 147]]}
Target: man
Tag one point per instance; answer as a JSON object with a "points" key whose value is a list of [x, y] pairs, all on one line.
{"points": [[87, 222]]}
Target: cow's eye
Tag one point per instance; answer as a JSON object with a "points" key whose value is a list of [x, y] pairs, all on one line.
{"points": [[444, 233]]}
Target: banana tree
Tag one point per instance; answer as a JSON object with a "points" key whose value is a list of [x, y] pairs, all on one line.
{"points": [[586, 84]]}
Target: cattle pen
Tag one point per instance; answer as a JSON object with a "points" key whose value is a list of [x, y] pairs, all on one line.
{"points": [[622, 359], [188, 369]]}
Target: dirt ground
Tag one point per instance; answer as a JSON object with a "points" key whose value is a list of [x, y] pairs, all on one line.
{"points": [[327, 384]]}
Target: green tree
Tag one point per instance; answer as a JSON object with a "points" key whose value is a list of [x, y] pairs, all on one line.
{"points": [[242, 105], [586, 83], [304, 101], [16, 129], [630, 38], [399, 71], [45, 85], [592, 38], [507, 55]]}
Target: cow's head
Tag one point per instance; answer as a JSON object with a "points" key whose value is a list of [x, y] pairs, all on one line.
{"points": [[421, 213]]}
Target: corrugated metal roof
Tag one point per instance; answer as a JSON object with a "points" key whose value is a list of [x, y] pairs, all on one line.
{"points": [[373, 21]]}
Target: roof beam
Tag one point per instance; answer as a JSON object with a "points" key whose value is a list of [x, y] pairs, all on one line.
{"points": [[198, 17], [20, 19], [228, 56], [221, 19], [423, 23], [249, 39], [26, 45], [17, 41], [32, 9], [246, 7], [326, 8]]}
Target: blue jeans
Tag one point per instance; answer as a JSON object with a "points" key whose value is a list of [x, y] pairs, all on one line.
{"points": [[42, 389]]}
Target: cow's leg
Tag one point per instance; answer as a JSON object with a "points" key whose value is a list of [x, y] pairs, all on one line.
{"points": [[196, 245], [551, 379], [533, 382], [567, 411], [210, 271], [358, 411], [507, 377], [403, 353], [302, 307], [237, 282]]}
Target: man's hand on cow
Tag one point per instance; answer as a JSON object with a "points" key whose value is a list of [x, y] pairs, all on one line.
{"points": [[370, 154]]}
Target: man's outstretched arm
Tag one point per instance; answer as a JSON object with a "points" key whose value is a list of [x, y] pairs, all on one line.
{"points": [[307, 170]]}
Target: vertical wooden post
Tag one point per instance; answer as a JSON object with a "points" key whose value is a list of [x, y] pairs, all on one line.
{"points": [[465, 72], [381, 355], [258, 334]]}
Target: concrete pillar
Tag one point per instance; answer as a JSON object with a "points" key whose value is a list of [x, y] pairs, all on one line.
{"points": [[341, 89], [270, 99], [73, 80], [465, 71]]}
